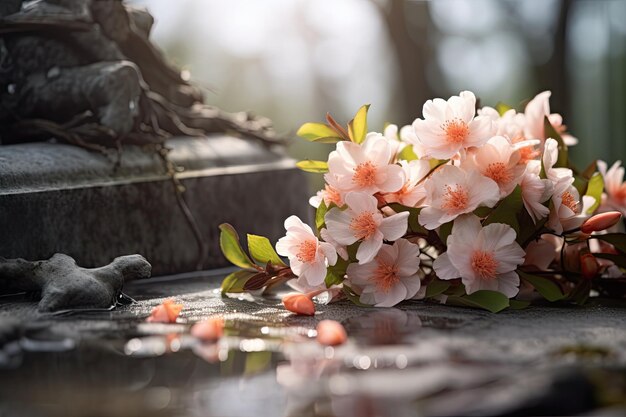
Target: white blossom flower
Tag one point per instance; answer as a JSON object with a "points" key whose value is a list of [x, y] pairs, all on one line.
{"points": [[450, 126], [615, 187], [308, 257], [550, 156], [536, 110], [536, 191], [392, 276], [485, 258], [362, 221], [511, 124], [499, 160], [413, 192], [452, 191], [568, 211], [330, 194], [366, 167], [341, 250]]}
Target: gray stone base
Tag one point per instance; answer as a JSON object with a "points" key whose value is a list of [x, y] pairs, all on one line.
{"points": [[59, 198]]}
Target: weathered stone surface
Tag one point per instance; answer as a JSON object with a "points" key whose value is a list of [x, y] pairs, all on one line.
{"points": [[63, 199], [414, 360], [61, 284]]}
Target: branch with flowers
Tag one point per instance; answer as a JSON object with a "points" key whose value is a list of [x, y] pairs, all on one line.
{"points": [[471, 207]]}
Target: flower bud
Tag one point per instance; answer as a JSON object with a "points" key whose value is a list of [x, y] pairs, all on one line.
{"points": [[331, 333], [299, 304], [589, 266], [210, 329], [600, 222]]}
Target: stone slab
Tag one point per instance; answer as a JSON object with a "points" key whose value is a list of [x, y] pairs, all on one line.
{"points": [[60, 198], [417, 359]]}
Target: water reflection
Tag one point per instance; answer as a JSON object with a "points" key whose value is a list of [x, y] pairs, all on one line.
{"points": [[397, 362]]}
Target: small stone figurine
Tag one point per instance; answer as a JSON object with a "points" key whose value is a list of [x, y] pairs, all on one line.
{"points": [[64, 285]]}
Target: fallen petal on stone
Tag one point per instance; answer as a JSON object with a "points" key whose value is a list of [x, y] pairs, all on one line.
{"points": [[167, 312], [331, 333], [299, 304], [210, 329]]}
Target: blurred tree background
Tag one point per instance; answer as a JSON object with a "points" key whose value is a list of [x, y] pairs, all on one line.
{"points": [[293, 60]]}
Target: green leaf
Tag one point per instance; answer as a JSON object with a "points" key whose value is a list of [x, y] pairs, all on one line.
{"points": [[317, 167], [318, 132], [354, 297], [336, 273], [619, 260], [502, 108], [262, 251], [580, 293], [590, 170], [231, 248], [506, 211], [616, 239], [436, 287], [518, 304], [320, 213], [236, 281], [594, 189], [352, 250], [436, 163], [492, 301], [482, 211], [444, 231], [357, 128], [550, 132], [414, 225], [547, 288], [580, 184], [407, 154], [528, 229]]}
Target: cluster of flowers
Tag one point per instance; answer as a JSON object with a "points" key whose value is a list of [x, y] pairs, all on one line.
{"points": [[456, 207]]}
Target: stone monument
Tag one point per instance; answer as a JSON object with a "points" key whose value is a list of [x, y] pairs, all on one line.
{"points": [[108, 151]]}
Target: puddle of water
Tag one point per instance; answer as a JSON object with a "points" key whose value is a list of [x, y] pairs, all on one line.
{"points": [[267, 364]]}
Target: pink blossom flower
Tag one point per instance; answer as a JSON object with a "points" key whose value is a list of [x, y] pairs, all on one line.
{"points": [[339, 248], [366, 167], [452, 191], [412, 193], [536, 110], [308, 257], [511, 124], [450, 126], [550, 156], [535, 192], [330, 194], [391, 277], [498, 159], [615, 187], [541, 253], [568, 210], [485, 258], [362, 221]]}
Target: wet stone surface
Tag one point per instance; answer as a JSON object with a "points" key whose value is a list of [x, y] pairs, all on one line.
{"points": [[415, 360]]}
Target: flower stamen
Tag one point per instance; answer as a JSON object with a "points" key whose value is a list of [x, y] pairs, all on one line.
{"points": [[456, 130], [365, 174], [363, 225], [484, 264], [455, 200], [386, 276], [497, 171], [307, 251], [568, 200]]}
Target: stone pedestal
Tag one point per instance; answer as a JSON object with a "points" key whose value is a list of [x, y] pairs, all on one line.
{"points": [[60, 198]]}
